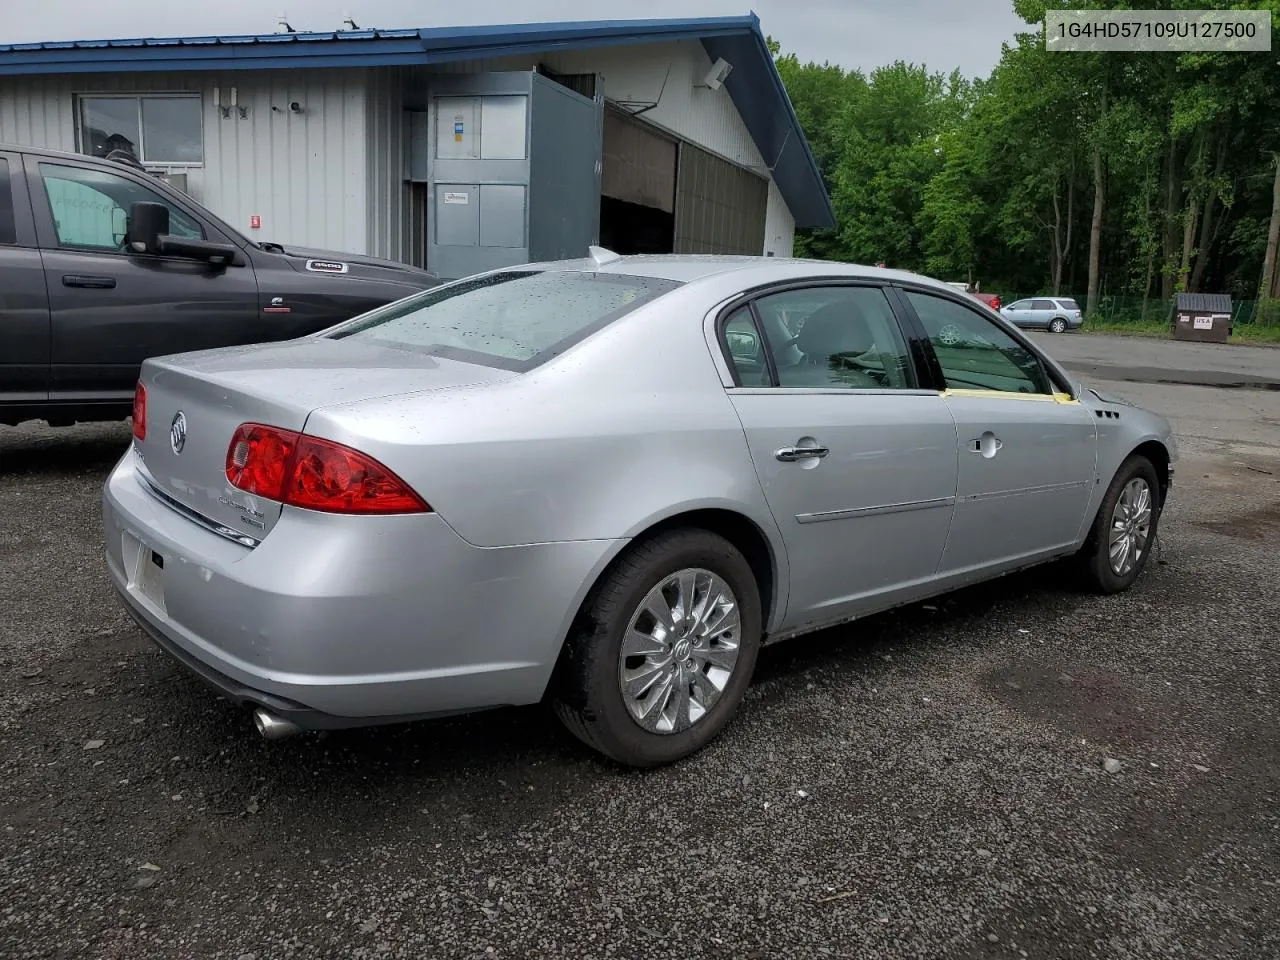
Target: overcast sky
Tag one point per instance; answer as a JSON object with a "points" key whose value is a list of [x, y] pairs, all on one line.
{"points": [[941, 33]]}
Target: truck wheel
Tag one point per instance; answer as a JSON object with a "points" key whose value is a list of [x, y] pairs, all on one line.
{"points": [[1058, 325], [664, 651]]}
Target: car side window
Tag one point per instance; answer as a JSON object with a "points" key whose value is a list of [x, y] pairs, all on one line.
{"points": [[836, 337], [1020, 305], [91, 207], [973, 352], [746, 352], [8, 226], [1042, 305]]}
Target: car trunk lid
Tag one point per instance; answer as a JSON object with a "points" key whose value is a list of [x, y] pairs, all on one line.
{"points": [[196, 401]]}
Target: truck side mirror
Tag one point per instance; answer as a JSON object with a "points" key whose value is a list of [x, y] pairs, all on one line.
{"points": [[148, 222]]}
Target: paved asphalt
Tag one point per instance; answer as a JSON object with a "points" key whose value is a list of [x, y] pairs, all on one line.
{"points": [[928, 783]]}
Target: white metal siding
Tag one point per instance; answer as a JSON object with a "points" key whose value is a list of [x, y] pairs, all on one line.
{"points": [[779, 225], [332, 176], [303, 173], [389, 210]]}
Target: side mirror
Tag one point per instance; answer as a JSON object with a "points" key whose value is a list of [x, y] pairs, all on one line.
{"points": [[148, 222], [742, 345]]}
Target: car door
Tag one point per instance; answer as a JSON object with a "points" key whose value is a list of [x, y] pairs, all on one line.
{"points": [[110, 307], [24, 302], [1042, 311], [857, 462], [1019, 312], [1027, 451]]}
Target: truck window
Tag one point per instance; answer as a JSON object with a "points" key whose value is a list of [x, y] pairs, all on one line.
{"points": [[90, 207], [8, 228]]}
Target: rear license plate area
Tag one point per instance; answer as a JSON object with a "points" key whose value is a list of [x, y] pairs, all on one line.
{"points": [[145, 567]]}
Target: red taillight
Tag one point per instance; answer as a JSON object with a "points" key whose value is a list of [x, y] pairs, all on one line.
{"points": [[315, 474], [995, 303], [258, 459], [140, 411]]}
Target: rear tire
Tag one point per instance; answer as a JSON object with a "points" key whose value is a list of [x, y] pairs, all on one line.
{"points": [[1116, 551], [1058, 325], [682, 709]]}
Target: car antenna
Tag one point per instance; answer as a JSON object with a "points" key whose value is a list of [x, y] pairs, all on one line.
{"points": [[600, 256]]}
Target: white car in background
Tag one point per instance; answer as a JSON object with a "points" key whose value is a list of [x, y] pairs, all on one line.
{"points": [[1055, 314]]}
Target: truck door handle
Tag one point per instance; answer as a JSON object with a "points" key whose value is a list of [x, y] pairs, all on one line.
{"points": [[792, 454], [97, 283]]}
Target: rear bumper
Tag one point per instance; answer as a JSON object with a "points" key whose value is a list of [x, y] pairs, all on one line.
{"points": [[345, 621]]}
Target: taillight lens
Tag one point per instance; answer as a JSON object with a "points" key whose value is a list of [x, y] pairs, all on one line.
{"points": [[140, 411], [995, 303], [258, 459], [314, 474]]}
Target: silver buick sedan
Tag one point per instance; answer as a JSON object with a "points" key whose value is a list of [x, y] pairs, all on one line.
{"points": [[606, 482]]}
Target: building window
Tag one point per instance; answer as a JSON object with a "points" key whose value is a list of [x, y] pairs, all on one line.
{"points": [[155, 129]]}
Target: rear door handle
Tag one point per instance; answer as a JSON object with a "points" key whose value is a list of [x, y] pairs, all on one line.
{"points": [[79, 280], [792, 454]]}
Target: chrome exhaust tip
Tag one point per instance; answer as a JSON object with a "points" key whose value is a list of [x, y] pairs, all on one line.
{"points": [[272, 727]]}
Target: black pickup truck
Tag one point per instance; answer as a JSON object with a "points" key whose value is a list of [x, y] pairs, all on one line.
{"points": [[103, 265]]}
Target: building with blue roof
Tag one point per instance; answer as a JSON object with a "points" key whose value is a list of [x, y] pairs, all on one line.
{"points": [[452, 148]]}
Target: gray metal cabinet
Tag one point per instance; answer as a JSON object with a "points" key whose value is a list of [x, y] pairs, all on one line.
{"points": [[512, 164]]}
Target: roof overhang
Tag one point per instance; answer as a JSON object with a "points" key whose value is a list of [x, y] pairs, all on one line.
{"points": [[754, 84]]}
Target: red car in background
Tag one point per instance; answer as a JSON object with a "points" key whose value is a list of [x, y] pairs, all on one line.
{"points": [[992, 300]]}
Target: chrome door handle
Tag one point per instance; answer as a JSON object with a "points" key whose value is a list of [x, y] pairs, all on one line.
{"points": [[792, 454], [988, 445]]}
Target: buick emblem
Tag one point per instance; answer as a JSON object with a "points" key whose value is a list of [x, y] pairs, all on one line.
{"points": [[178, 432]]}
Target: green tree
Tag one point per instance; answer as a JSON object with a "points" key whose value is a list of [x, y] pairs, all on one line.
{"points": [[1101, 173]]}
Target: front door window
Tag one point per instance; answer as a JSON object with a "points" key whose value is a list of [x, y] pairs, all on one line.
{"points": [[91, 207], [974, 353]]}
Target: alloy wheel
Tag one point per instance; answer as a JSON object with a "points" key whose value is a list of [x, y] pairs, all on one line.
{"points": [[679, 650], [1130, 526]]}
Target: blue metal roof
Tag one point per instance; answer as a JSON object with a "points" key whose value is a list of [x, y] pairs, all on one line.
{"points": [[753, 84]]}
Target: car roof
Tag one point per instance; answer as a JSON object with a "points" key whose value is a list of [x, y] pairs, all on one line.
{"points": [[687, 268]]}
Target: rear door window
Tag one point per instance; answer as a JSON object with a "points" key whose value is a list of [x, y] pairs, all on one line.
{"points": [[1041, 304], [834, 337], [747, 352], [516, 319], [8, 226]]}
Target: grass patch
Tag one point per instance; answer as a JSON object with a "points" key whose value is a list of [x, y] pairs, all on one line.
{"points": [[1243, 333]]}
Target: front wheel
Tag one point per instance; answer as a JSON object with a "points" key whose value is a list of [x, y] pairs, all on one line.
{"points": [[1058, 325], [1124, 529], [663, 653]]}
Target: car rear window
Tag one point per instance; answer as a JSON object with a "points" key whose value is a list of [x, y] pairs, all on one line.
{"points": [[8, 229], [1069, 304], [516, 319]]}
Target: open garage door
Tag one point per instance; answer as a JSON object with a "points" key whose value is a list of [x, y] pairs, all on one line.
{"points": [[720, 207], [637, 187]]}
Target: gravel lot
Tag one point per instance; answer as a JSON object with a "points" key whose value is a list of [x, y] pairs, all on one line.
{"points": [[928, 783]]}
